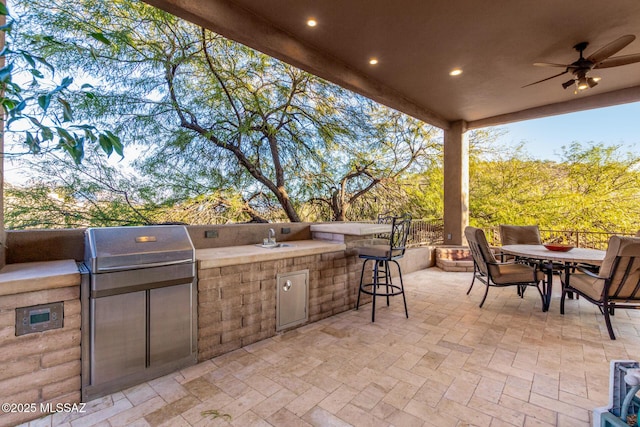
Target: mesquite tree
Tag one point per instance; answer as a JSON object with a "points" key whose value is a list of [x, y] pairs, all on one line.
{"points": [[226, 115]]}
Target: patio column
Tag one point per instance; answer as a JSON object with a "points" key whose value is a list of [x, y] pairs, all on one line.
{"points": [[456, 182]]}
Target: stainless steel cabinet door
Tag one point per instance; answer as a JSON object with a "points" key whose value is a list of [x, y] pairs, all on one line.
{"points": [[170, 324], [293, 299], [118, 336]]}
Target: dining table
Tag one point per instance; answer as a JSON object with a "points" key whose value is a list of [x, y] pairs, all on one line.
{"points": [[547, 258]]}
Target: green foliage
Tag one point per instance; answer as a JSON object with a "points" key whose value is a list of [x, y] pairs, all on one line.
{"points": [[593, 188], [68, 195], [96, 194], [425, 195], [228, 118], [425, 190], [27, 106]]}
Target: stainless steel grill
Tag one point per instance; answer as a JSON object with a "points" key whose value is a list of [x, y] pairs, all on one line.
{"points": [[139, 306]]}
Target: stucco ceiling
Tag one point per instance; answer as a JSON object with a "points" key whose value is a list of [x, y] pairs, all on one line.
{"points": [[417, 43]]}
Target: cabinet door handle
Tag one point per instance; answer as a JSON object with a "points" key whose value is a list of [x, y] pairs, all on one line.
{"points": [[287, 286]]}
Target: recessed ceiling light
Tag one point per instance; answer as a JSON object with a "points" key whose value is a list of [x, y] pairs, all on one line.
{"points": [[455, 72], [373, 61], [312, 22]]}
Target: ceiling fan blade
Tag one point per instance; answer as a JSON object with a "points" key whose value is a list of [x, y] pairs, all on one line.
{"points": [[549, 64], [548, 78], [611, 48], [619, 60]]}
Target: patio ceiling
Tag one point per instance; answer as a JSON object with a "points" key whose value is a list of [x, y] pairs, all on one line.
{"points": [[418, 42]]}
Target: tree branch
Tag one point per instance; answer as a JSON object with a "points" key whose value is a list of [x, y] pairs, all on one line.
{"points": [[219, 79]]}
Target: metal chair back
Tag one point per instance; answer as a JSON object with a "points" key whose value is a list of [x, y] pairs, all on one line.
{"points": [[399, 234], [400, 227]]}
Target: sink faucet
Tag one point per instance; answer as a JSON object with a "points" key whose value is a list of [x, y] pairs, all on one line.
{"points": [[272, 236]]}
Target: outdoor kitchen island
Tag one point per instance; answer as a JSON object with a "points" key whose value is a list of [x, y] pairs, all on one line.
{"points": [[237, 297], [239, 294], [238, 289]]}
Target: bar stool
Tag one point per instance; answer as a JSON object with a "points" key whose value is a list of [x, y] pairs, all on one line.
{"points": [[382, 255]]}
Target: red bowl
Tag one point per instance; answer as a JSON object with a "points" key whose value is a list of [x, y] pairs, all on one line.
{"points": [[558, 247]]}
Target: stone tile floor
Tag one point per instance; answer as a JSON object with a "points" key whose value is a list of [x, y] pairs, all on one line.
{"points": [[450, 364]]}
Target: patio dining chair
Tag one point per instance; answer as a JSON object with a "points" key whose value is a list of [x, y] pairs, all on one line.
{"points": [[382, 255], [526, 235], [520, 235], [615, 285], [489, 271]]}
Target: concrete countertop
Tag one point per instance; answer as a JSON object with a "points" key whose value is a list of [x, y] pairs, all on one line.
{"points": [[234, 255], [35, 276], [351, 228]]}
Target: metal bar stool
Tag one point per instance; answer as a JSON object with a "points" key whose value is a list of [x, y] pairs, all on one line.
{"points": [[382, 255]]}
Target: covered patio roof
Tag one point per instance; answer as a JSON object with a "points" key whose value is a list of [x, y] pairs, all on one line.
{"points": [[418, 42]]}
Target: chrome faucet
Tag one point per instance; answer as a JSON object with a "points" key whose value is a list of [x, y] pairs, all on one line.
{"points": [[272, 236]]}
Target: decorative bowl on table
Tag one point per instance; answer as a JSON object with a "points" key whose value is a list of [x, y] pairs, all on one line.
{"points": [[557, 247]]}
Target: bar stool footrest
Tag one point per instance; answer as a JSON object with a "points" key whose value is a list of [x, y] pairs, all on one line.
{"points": [[381, 293]]}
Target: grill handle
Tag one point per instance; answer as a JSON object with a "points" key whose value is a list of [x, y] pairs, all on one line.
{"points": [[149, 265]]}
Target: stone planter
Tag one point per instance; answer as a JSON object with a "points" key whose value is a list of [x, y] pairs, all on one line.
{"points": [[454, 258]]}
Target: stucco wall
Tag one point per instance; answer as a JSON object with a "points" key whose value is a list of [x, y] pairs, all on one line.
{"points": [[51, 245]]}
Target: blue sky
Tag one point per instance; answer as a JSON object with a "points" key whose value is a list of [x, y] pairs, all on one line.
{"points": [[619, 125]]}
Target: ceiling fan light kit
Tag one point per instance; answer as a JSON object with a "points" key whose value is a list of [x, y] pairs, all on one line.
{"points": [[599, 59]]}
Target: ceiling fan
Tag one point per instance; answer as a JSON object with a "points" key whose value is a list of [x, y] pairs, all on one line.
{"points": [[599, 59]]}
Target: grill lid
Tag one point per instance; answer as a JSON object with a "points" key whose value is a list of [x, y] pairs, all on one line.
{"points": [[126, 248]]}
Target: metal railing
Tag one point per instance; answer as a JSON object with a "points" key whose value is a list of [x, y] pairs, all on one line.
{"points": [[428, 232], [579, 239], [424, 232]]}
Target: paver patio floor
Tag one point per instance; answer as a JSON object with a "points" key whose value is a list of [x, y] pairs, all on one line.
{"points": [[450, 364]]}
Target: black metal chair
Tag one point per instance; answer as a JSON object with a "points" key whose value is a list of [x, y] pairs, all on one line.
{"points": [[493, 273], [382, 255], [617, 283]]}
